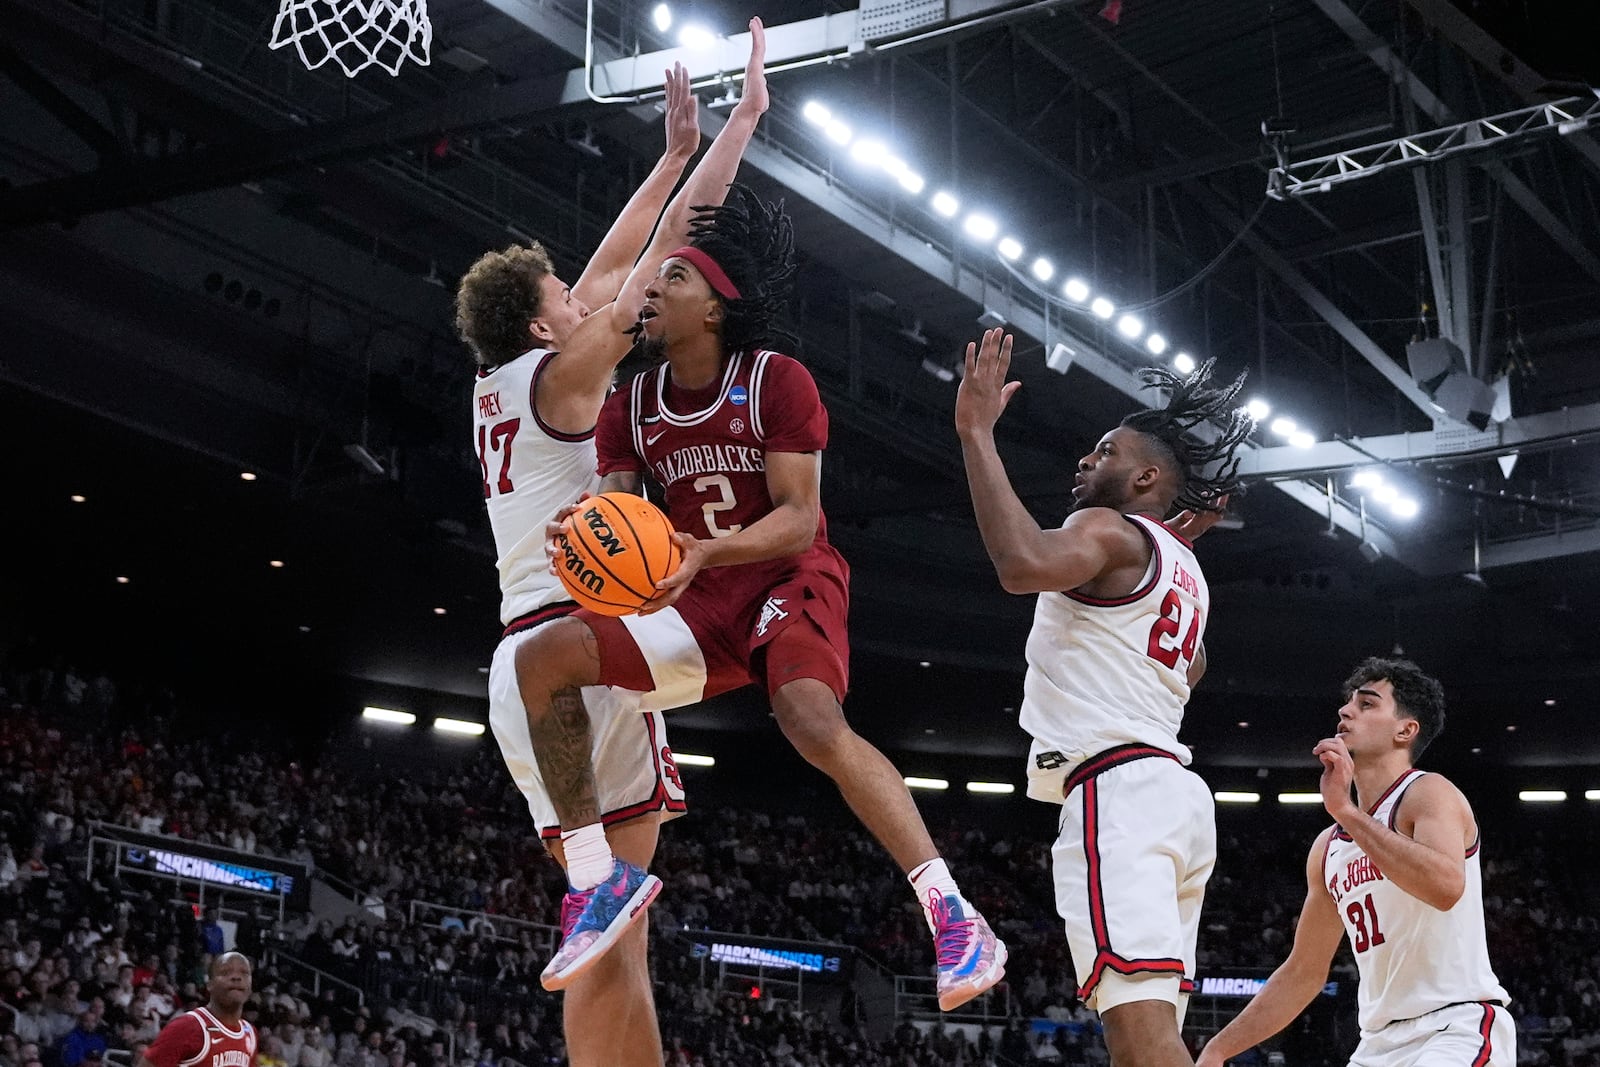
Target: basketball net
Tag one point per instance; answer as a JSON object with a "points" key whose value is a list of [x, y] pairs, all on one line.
{"points": [[356, 34]]}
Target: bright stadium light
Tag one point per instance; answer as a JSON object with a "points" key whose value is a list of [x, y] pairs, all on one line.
{"points": [[838, 132], [1385, 494], [1591, 794], [458, 726], [1183, 363], [696, 37], [1542, 796], [1258, 409], [1011, 248], [1283, 427], [1043, 269], [998, 788], [945, 204], [662, 17], [690, 759], [980, 227], [1156, 344], [909, 180], [869, 152], [399, 718], [1228, 796], [1103, 308], [814, 112], [1076, 290], [913, 782], [1130, 326], [1302, 439], [1367, 479], [1405, 508], [1299, 798]]}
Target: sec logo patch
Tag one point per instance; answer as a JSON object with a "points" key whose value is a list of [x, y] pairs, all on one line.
{"points": [[736, 426]]}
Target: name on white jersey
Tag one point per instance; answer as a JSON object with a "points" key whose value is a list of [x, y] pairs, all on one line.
{"points": [[489, 405], [1360, 871]]}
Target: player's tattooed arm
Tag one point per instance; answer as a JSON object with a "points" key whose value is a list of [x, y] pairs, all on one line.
{"points": [[623, 482]]}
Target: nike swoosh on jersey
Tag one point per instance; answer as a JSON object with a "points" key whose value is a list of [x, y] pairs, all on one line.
{"points": [[652, 440]]}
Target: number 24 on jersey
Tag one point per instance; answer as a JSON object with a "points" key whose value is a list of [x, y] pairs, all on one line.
{"points": [[1164, 646]]}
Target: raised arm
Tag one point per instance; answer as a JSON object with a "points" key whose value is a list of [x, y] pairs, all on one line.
{"points": [[1297, 980], [1027, 558], [582, 370], [1425, 855], [609, 266]]}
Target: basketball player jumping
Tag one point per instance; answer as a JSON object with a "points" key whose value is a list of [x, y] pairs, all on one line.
{"points": [[215, 1035], [735, 432], [1399, 870], [545, 367], [1115, 648]]}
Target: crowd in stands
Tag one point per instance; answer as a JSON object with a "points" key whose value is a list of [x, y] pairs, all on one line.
{"points": [[90, 967]]}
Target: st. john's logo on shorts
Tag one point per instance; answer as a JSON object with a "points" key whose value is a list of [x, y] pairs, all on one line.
{"points": [[771, 612]]}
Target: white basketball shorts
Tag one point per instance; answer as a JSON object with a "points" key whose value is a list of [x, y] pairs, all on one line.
{"points": [[1138, 840], [1461, 1035], [633, 769]]}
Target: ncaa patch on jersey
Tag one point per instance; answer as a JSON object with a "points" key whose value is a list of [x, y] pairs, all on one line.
{"points": [[738, 395]]}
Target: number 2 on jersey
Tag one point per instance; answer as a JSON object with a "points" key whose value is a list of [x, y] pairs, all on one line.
{"points": [[497, 438], [725, 502], [1364, 917], [1166, 628]]}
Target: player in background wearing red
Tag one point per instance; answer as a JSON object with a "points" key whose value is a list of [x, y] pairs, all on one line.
{"points": [[1115, 649], [734, 432], [1398, 874], [215, 1035], [545, 367]]}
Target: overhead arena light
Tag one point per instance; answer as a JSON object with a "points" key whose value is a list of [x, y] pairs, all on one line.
{"points": [[838, 132], [945, 204], [1076, 290], [1283, 427], [690, 759], [458, 726], [1302, 439], [913, 782], [1043, 269], [1542, 796], [869, 152], [980, 227], [1299, 798], [1183, 363], [1405, 508], [1010, 248], [909, 180], [814, 112], [1103, 308], [1591, 794], [1156, 344], [696, 37], [1367, 479], [1258, 409], [399, 718], [1130, 326], [662, 17], [1229, 796], [998, 788]]}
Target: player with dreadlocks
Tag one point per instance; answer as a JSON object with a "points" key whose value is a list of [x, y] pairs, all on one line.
{"points": [[1114, 651], [734, 432]]}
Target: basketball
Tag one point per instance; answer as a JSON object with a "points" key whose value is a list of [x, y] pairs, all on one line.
{"points": [[616, 548]]}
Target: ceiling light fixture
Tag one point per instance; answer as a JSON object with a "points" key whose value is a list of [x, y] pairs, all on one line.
{"points": [[1156, 344], [1076, 290], [1258, 409], [398, 718], [1043, 269], [1010, 248], [696, 37], [1130, 326], [662, 17], [814, 112], [945, 204], [1103, 308], [1183, 363], [913, 782], [980, 227]]}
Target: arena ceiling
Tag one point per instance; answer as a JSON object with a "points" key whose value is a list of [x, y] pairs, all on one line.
{"points": [[216, 261]]}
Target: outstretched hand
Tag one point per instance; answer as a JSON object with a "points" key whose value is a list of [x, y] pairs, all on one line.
{"points": [[683, 118], [754, 99], [984, 391], [1190, 525], [555, 533]]}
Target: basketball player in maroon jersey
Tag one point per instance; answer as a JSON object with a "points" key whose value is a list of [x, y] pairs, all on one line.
{"points": [[215, 1035], [734, 432]]}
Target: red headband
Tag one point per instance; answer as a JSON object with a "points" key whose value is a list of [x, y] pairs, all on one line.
{"points": [[720, 283]]}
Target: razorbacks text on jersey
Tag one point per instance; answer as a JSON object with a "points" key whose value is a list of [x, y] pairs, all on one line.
{"points": [[199, 1039], [1412, 957], [1109, 672], [707, 447], [530, 471]]}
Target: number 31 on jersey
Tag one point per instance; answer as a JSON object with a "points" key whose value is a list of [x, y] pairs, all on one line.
{"points": [[1164, 646]]}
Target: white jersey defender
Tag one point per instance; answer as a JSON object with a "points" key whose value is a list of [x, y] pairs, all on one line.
{"points": [[1104, 696], [1103, 673], [1414, 959], [531, 471]]}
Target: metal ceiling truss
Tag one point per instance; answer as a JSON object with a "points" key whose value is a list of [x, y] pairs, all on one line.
{"points": [[1321, 174]]}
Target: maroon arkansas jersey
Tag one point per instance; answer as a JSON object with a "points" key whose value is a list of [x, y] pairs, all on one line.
{"points": [[199, 1039], [708, 447]]}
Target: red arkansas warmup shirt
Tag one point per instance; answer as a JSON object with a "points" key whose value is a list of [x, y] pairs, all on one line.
{"points": [[199, 1039]]}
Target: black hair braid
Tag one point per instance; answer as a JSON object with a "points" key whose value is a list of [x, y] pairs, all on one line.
{"points": [[753, 242], [1193, 401]]}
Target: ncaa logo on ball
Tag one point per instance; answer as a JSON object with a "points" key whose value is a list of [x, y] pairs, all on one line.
{"points": [[738, 395]]}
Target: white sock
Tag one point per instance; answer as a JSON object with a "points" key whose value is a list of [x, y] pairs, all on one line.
{"points": [[589, 858], [932, 881]]}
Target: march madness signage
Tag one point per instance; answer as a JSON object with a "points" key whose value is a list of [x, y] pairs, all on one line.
{"points": [[190, 861], [1243, 986], [811, 959]]}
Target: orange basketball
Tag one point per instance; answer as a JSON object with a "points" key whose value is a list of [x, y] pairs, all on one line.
{"points": [[616, 548]]}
